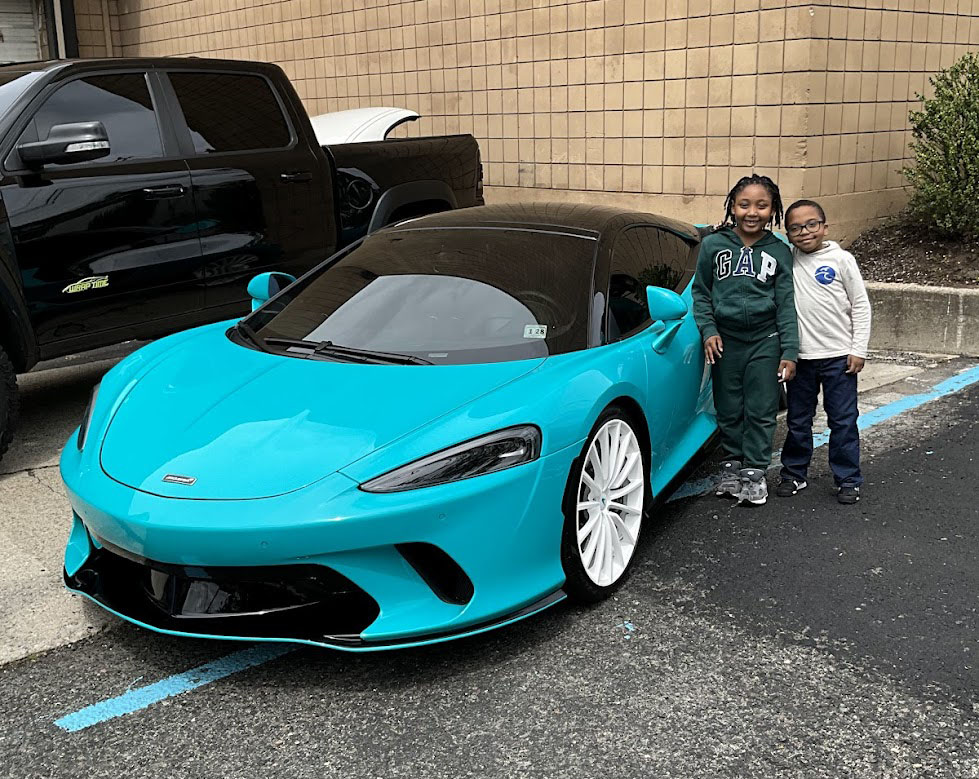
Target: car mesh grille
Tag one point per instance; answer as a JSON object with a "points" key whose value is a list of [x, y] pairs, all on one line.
{"points": [[311, 602]]}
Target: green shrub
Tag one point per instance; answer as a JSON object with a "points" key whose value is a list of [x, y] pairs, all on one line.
{"points": [[945, 173]]}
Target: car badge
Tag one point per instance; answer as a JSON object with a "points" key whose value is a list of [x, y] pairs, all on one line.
{"points": [[83, 285], [176, 478]]}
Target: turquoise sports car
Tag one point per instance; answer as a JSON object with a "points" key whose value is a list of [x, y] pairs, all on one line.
{"points": [[451, 425]]}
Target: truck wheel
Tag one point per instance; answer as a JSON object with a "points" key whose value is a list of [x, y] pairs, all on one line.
{"points": [[9, 401]]}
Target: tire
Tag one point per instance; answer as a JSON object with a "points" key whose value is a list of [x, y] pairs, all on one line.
{"points": [[596, 562], [9, 401]]}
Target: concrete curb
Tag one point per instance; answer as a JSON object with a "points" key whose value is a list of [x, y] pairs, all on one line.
{"points": [[916, 318]]}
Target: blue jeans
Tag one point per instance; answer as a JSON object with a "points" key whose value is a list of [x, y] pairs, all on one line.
{"points": [[840, 403]]}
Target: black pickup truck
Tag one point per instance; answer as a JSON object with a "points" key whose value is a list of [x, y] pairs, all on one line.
{"points": [[138, 196]]}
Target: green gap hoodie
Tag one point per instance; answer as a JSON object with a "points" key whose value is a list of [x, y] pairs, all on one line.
{"points": [[746, 292]]}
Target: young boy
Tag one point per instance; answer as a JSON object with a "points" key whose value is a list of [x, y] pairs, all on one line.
{"points": [[834, 331]]}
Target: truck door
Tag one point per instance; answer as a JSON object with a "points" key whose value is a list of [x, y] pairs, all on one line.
{"points": [[108, 245], [263, 194]]}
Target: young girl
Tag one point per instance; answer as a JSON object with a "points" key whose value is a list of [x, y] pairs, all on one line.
{"points": [[744, 306]]}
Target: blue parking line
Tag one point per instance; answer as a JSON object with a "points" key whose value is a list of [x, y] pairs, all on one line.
{"points": [[140, 698], [866, 420]]}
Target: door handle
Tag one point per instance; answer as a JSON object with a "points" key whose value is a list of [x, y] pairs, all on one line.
{"points": [[164, 192], [295, 176]]}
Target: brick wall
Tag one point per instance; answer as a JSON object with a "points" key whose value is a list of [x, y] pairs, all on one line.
{"points": [[91, 19], [657, 104]]}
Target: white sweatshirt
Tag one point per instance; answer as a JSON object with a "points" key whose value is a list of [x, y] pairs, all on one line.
{"points": [[831, 303]]}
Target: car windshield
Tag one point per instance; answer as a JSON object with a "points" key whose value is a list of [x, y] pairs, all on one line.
{"points": [[443, 296], [13, 84]]}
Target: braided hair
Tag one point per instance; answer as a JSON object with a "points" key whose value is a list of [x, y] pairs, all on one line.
{"points": [[747, 181]]}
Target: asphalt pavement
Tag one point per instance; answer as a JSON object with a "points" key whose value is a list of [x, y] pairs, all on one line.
{"points": [[797, 639]]}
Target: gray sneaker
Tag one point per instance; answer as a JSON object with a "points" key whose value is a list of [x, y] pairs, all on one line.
{"points": [[754, 488], [728, 480]]}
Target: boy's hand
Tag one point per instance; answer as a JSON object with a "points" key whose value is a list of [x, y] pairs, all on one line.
{"points": [[713, 347], [854, 364], [786, 370]]}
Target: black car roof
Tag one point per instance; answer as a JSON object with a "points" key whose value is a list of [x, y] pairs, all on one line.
{"points": [[121, 63], [556, 217]]}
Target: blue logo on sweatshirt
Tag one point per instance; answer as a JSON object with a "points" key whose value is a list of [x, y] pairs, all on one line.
{"points": [[825, 274]]}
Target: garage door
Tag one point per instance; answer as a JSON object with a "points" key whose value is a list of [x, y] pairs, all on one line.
{"points": [[18, 34]]}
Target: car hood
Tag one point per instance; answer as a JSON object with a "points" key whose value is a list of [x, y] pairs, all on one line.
{"points": [[243, 424]]}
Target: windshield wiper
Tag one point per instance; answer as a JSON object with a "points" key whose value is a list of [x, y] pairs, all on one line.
{"points": [[361, 355], [246, 332]]}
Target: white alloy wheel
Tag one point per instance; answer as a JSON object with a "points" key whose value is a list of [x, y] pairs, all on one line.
{"points": [[611, 491]]}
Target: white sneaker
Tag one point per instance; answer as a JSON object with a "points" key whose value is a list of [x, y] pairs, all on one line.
{"points": [[754, 488]]}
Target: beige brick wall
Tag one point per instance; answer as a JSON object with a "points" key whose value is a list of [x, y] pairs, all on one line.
{"points": [[657, 104], [92, 18], [868, 61]]}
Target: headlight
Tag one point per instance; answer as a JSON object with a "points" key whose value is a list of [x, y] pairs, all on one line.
{"points": [[486, 454], [87, 418]]}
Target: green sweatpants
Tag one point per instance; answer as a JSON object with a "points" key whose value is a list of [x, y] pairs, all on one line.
{"points": [[746, 398]]}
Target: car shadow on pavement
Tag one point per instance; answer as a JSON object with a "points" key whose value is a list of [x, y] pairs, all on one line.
{"points": [[51, 405]]}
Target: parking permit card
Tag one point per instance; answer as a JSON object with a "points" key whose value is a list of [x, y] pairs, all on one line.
{"points": [[535, 331]]}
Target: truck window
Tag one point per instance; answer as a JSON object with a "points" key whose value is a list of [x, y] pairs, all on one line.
{"points": [[121, 101], [230, 112]]}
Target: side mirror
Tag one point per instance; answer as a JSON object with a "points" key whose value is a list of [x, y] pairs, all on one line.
{"points": [[267, 285], [665, 305], [67, 143]]}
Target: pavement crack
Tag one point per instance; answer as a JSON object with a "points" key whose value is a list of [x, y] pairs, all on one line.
{"points": [[32, 473], [29, 470]]}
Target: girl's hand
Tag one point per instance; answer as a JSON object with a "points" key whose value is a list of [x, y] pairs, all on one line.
{"points": [[786, 371], [713, 347], [854, 364]]}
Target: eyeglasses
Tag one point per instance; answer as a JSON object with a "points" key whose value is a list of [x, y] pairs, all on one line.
{"points": [[809, 227]]}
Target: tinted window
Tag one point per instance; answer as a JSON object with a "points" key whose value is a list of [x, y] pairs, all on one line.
{"points": [[447, 296], [228, 112], [120, 101], [641, 257]]}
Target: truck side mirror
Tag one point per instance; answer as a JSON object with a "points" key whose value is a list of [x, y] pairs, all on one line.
{"points": [[267, 285], [67, 143]]}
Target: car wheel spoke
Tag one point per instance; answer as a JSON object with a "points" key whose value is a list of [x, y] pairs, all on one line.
{"points": [[591, 545], [612, 456], [624, 529], [622, 508], [596, 464], [588, 528], [621, 457], [591, 483], [607, 558], [628, 489], [626, 468], [615, 543]]}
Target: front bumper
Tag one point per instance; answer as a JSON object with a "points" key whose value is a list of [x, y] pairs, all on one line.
{"points": [[329, 565]]}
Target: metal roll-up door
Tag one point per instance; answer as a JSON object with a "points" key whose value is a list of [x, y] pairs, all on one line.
{"points": [[18, 31]]}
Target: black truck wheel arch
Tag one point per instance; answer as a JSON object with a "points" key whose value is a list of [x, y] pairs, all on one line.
{"points": [[415, 198]]}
